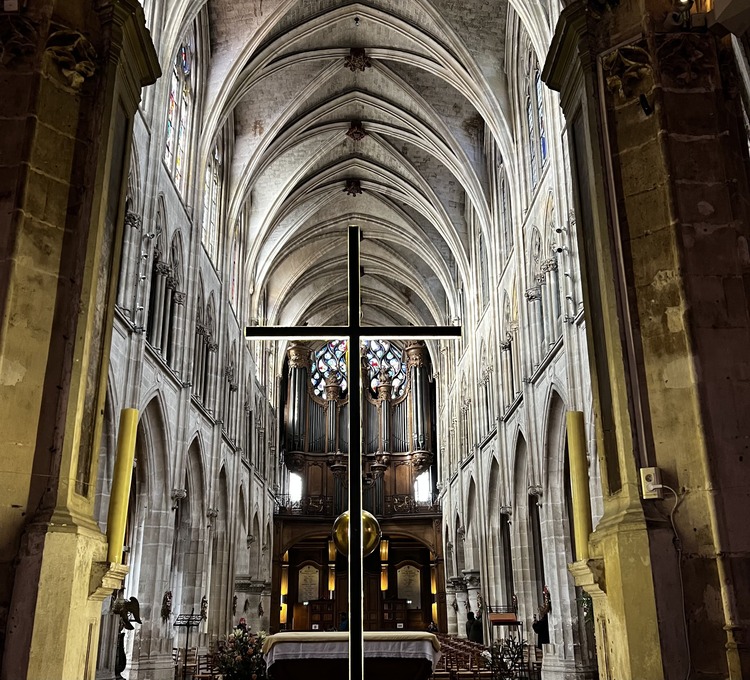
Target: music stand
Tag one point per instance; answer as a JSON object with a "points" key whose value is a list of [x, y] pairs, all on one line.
{"points": [[187, 621]]}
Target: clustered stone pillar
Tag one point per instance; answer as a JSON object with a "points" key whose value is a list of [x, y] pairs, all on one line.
{"points": [[551, 296], [536, 323], [655, 126], [473, 595], [71, 79], [129, 274], [462, 606]]}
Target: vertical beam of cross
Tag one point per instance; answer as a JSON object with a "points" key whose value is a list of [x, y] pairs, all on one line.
{"points": [[354, 333]]}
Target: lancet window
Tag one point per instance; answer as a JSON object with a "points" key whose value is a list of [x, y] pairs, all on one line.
{"points": [[536, 130], [484, 275], [179, 114], [211, 191], [234, 265], [505, 216]]}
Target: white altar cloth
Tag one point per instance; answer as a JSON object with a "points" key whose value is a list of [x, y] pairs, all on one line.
{"points": [[298, 646]]}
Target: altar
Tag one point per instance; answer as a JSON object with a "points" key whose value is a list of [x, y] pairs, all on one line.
{"points": [[401, 655]]}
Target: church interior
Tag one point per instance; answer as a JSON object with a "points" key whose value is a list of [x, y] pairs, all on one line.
{"points": [[564, 183]]}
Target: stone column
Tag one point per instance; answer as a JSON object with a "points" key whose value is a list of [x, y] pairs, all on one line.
{"points": [[72, 73], [473, 594], [462, 607], [157, 300], [550, 268], [507, 374], [515, 360], [175, 355], [660, 156], [128, 268], [451, 608]]}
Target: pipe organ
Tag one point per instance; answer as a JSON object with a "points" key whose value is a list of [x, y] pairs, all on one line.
{"points": [[398, 424], [398, 414]]}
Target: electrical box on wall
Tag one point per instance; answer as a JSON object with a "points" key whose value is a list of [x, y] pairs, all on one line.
{"points": [[651, 483]]}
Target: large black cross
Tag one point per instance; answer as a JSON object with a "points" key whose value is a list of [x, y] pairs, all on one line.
{"points": [[354, 333]]}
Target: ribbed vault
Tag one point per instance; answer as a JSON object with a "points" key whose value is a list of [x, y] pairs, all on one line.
{"points": [[299, 83]]}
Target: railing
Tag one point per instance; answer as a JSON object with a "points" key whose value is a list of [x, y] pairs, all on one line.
{"points": [[405, 504], [321, 506]]}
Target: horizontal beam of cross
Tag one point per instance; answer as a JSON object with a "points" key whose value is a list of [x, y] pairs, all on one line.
{"points": [[366, 332]]}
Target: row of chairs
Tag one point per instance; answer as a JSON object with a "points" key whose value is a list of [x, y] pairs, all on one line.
{"points": [[194, 666], [463, 660]]}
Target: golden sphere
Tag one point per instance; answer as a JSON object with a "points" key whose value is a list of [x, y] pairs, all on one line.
{"points": [[370, 533]]}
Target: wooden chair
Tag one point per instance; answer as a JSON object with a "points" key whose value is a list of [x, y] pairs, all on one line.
{"points": [[205, 669]]}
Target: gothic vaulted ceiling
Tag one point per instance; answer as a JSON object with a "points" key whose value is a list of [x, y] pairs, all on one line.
{"points": [[383, 114]]}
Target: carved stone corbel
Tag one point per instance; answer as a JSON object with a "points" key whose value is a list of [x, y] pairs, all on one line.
{"points": [[73, 54]]}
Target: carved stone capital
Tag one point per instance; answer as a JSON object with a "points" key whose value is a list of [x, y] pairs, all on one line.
{"points": [[533, 293], [625, 69], [73, 54], [18, 39], [163, 269], [549, 265], [179, 297], [132, 220], [684, 60]]}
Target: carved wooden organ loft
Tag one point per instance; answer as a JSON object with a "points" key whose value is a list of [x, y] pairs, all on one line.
{"points": [[403, 580], [398, 427]]}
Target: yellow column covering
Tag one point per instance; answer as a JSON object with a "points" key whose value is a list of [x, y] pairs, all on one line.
{"points": [[579, 483], [120, 494]]}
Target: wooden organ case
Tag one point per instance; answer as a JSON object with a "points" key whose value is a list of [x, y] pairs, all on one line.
{"points": [[398, 435]]}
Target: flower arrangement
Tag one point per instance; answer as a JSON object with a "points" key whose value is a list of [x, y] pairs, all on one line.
{"points": [[505, 658], [239, 657]]}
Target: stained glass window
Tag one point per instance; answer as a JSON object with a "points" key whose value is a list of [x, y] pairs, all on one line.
{"points": [[505, 213], [209, 228], [540, 117], [484, 272], [532, 141], [331, 359], [179, 109], [235, 264], [381, 355], [172, 112]]}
